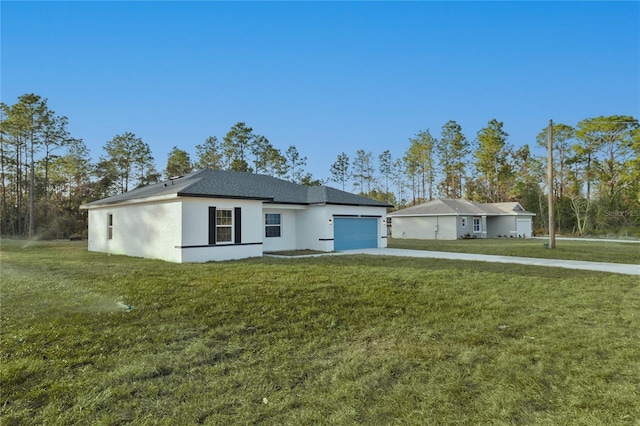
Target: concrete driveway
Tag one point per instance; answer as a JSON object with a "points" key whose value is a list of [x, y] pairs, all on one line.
{"points": [[616, 268]]}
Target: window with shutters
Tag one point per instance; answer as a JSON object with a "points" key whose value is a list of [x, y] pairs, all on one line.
{"points": [[224, 226]]}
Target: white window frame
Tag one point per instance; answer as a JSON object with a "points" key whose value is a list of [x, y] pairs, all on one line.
{"points": [[272, 225], [109, 226], [224, 222], [477, 225]]}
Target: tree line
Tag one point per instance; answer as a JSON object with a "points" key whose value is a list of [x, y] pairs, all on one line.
{"points": [[46, 173]]}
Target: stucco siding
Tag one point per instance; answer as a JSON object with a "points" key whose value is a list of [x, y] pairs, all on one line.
{"points": [[150, 230], [195, 219], [467, 228], [424, 227], [220, 253], [178, 231], [195, 236], [447, 228], [501, 225], [313, 229], [288, 230]]}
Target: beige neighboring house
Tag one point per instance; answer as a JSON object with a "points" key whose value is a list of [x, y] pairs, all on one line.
{"points": [[447, 219]]}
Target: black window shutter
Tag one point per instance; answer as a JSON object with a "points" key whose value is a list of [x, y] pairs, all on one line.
{"points": [[212, 225], [237, 221]]}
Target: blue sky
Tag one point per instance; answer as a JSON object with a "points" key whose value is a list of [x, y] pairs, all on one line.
{"points": [[326, 77]]}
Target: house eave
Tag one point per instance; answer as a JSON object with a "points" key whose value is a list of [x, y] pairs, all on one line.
{"points": [[528, 214], [98, 204], [386, 206]]}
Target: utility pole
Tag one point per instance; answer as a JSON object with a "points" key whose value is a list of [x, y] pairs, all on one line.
{"points": [[552, 226]]}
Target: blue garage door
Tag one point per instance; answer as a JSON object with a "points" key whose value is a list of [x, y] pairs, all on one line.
{"points": [[354, 233]]}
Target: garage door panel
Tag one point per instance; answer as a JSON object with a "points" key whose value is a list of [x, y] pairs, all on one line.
{"points": [[523, 227], [355, 233]]}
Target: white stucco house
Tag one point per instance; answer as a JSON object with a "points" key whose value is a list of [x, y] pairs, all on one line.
{"points": [[447, 219], [220, 215]]}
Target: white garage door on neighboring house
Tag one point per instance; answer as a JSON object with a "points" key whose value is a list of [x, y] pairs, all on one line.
{"points": [[355, 233], [523, 227]]}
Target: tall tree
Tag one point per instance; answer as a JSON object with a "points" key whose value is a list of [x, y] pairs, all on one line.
{"points": [[34, 110], [70, 186], [28, 129], [452, 151], [34, 126], [209, 155], [420, 159], [4, 169], [266, 158], [54, 137], [492, 160], [385, 165], [275, 162], [340, 170], [178, 163], [237, 145], [363, 171], [128, 159], [295, 164], [397, 178], [611, 141], [562, 136], [14, 138]]}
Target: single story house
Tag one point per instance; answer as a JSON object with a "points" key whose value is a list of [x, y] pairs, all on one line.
{"points": [[220, 215], [447, 219]]}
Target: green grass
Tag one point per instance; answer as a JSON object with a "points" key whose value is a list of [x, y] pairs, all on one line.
{"points": [[304, 341], [614, 252]]}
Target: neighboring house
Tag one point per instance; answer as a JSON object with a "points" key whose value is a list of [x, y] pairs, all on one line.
{"points": [[447, 219], [220, 215]]}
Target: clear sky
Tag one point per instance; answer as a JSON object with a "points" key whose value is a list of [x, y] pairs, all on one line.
{"points": [[326, 77]]}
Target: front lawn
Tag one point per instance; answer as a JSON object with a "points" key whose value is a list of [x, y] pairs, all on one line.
{"points": [[593, 251], [305, 341]]}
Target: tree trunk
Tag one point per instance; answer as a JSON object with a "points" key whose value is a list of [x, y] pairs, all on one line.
{"points": [[32, 195]]}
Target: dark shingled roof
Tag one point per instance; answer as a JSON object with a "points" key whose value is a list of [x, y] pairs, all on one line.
{"points": [[226, 184]]}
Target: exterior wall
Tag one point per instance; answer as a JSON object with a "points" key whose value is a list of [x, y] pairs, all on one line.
{"points": [[482, 231], [149, 230], [313, 231], [425, 227], [464, 230], [288, 229], [379, 212], [178, 230], [311, 227], [501, 225], [195, 236], [450, 227], [508, 226]]}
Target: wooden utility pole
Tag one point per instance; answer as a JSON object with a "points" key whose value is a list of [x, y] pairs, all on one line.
{"points": [[552, 226]]}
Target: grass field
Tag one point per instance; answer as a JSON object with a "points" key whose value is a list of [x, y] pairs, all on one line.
{"points": [[335, 340], [614, 252]]}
